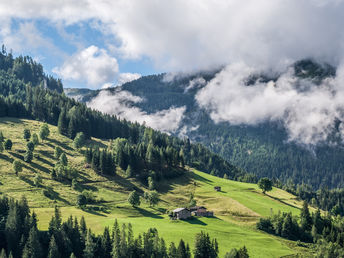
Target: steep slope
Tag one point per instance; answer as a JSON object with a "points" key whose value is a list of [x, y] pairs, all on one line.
{"points": [[262, 149], [237, 207]]}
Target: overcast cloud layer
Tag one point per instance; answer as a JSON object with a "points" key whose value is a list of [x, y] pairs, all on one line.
{"points": [[184, 36]]}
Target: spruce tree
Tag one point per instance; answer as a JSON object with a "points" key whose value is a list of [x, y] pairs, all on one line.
{"points": [[134, 199], [62, 123], [90, 246], [63, 159], [44, 131], [26, 134], [1, 147], [306, 219], [3, 252], [34, 139], [8, 144], [32, 247]]}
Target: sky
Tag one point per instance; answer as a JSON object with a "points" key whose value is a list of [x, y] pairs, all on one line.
{"points": [[98, 43], [103, 43]]}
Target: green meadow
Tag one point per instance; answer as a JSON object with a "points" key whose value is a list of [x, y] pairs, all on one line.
{"points": [[237, 207]]}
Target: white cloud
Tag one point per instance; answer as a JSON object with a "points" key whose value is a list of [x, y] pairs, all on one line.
{"points": [[127, 77], [120, 104], [309, 112], [92, 65], [199, 34]]}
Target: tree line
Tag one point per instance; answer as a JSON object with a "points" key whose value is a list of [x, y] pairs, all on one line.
{"points": [[20, 237]]}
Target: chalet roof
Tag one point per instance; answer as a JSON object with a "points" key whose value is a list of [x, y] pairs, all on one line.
{"points": [[179, 209]]}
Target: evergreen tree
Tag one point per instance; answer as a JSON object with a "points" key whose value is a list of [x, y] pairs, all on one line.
{"points": [[44, 131], [265, 184], [106, 246], [34, 139], [79, 140], [26, 134], [306, 219], [134, 199], [8, 144], [1, 147], [17, 166], [172, 251], [57, 152], [183, 251], [89, 245], [2, 138], [62, 123], [3, 253], [30, 146], [32, 247], [63, 159], [129, 172], [204, 248], [28, 156]]}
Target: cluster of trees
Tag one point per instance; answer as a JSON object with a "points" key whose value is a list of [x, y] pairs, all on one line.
{"points": [[308, 227], [331, 200], [26, 69], [23, 99], [20, 237]]}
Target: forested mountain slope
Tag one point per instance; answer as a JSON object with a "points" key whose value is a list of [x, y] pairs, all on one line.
{"points": [[262, 149]]}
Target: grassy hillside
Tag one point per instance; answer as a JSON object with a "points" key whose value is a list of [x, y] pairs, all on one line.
{"points": [[237, 207]]}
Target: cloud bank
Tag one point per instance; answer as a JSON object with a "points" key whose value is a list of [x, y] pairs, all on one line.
{"points": [[121, 104], [309, 112]]}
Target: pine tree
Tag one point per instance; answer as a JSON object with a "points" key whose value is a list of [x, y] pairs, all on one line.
{"points": [[17, 166], [172, 251], [44, 131], [129, 172], [62, 123], [53, 249], [63, 159], [28, 156], [306, 219], [89, 245], [79, 140], [183, 251], [134, 199], [34, 139], [3, 252], [8, 144], [57, 152], [204, 248], [32, 247], [106, 246], [2, 138], [26, 134]]}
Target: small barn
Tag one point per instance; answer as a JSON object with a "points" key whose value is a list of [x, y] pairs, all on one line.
{"points": [[181, 213], [217, 188], [201, 211]]}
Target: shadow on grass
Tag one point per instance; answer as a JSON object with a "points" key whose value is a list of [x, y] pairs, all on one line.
{"points": [[200, 178], [195, 221], [47, 154], [5, 157], [39, 167], [281, 201], [92, 211], [16, 155], [27, 180], [51, 194], [61, 144], [45, 161], [146, 213]]}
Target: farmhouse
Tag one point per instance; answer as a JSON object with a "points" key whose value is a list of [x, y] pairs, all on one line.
{"points": [[181, 213], [217, 188], [201, 211]]}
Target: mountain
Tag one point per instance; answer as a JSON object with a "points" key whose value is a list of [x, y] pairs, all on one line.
{"points": [[262, 149]]}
